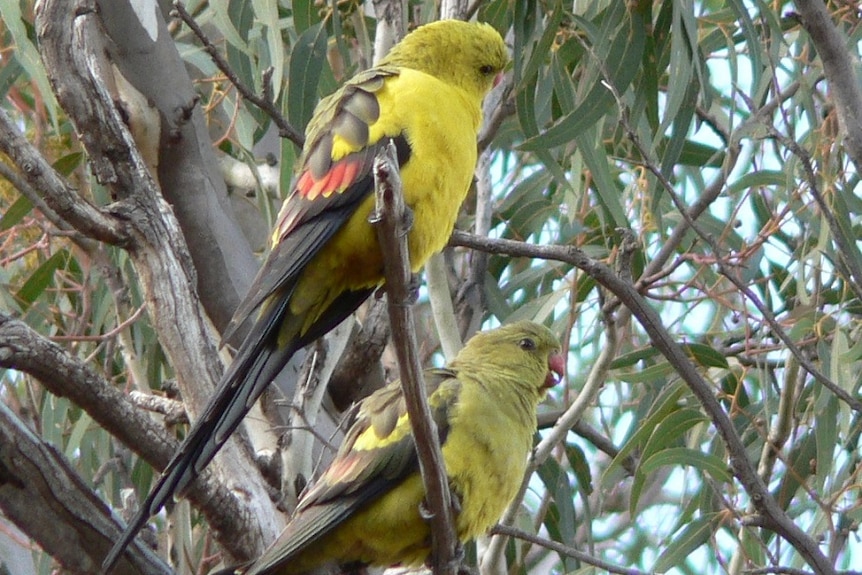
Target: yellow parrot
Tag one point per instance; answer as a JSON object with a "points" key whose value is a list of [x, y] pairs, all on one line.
{"points": [[426, 97], [366, 507]]}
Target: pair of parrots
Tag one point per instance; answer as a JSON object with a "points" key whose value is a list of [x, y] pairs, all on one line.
{"points": [[426, 97]]}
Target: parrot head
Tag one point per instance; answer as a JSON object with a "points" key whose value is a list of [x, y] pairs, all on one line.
{"points": [[469, 55], [525, 350]]}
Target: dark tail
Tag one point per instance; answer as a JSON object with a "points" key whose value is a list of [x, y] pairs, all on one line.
{"points": [[257, 362]]}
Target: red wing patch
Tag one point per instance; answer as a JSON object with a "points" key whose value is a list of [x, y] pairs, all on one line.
{"points": [[339, 177]]}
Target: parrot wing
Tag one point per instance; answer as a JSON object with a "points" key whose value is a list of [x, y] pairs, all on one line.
{"points": [[335, 177], [376, 455]]}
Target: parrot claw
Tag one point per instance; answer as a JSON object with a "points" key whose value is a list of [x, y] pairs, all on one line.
{"points": [[462, 568], [424, 511], [379, 292], [407, 219], [455, 502], [413, 286]]}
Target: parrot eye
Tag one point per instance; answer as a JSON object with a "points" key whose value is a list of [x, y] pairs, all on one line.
{"points": [[486, 69], [527, 344]]}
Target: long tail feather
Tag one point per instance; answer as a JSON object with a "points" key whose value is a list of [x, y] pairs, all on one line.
{"points": [[258, 361]]}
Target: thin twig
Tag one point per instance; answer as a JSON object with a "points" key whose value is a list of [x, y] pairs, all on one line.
{"points": [[107, 335], [728, 272], [510, 531], [723, 267], [265, 104]]}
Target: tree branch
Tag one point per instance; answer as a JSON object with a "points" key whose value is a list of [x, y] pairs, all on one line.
{"points": [[510, 531], [64, 375], [58, 195], [149, 82], [835, 53], [390, 217], [39, 487], [71, 42]]}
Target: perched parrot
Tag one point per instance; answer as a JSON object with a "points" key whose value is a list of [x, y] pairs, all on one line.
{"points": [[426, 97], [366, 507]]}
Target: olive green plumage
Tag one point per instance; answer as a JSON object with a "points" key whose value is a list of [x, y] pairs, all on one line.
{"points": [[365, 508]]}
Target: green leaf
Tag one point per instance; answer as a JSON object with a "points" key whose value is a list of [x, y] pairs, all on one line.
{"points": [[267, 11], [241, 15], [693, 536], [306, 13], [700, 155], [68, 163], [684, 456], [705, 355], [561, 519], [9, 74], [41, 278], [671, 430], [80, 428], [633, 357], [25, 54], [752, 37], [668, 431], [497, 13], [306, 64], [610, 195], [666, 403], [757, 179], [580, 466], [16, 212], [648, 374], [623, 59]]}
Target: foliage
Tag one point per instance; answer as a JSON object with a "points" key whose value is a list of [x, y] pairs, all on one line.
{"points": [[705, 131]]}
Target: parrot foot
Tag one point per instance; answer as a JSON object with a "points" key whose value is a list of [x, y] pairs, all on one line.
{"points": [[425, 511], [413, 285], [454, 501], [457, 562], [407, 218], [463, 568]]}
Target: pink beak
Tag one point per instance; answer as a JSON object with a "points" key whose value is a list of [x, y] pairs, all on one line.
{"points": [[557, 367]]}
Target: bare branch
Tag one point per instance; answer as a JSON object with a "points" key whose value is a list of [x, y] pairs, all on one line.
{"points": [[64, 375], [835, 52], [510, 531], [390, 218], [57, 194], [39, 487]]}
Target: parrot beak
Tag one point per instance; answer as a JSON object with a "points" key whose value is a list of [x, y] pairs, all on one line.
{"points": [[498, 78], [556, 368]]}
